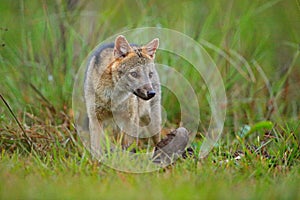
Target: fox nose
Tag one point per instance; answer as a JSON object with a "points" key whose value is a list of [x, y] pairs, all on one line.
{"points": [[151, 93]]}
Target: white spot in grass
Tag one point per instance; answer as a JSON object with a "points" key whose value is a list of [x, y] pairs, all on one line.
{"points": [[50, 77]]}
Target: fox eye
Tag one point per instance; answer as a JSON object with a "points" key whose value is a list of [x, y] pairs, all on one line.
{"points": [[133, 74], [150, 74]]}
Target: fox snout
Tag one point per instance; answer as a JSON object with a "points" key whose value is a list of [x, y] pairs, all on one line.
{"points": [[146, 92], [151, 93]]}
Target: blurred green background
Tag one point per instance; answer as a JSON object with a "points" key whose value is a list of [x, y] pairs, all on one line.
{"points": [[45, 42], [255, 45]]}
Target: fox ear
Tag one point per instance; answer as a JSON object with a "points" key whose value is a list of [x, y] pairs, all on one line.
{"points": [[122, 47], [151, 47]]}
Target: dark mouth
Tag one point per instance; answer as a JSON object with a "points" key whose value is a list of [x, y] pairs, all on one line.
{"points": [[143, 96]]}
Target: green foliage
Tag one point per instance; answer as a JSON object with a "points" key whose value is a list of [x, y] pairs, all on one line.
{"points": [[255, 45]]}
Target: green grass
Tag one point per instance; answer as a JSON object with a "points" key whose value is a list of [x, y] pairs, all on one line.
{"points": [[64, 174], [255, 45]]}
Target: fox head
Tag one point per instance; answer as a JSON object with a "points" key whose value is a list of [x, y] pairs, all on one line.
{"points": [[134, 68]]}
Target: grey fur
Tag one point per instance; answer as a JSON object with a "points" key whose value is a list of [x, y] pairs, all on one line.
{"points": [[112, 93]]}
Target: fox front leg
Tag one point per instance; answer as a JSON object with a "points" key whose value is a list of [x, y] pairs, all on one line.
{"points": [[130, 125], [154, 127]]}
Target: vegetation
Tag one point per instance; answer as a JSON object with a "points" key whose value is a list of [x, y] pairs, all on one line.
{"points": [[255, 45]]}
